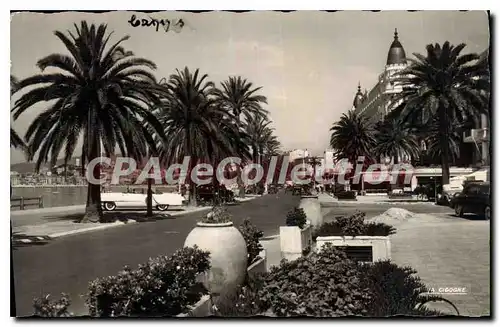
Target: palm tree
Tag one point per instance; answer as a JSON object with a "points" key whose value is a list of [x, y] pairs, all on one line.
{"points": [[445, 86], [352, 137], [396, 139], [16, 141], [433, 141], [193, 124], [238, 96], [261, 137], [101, 92]]}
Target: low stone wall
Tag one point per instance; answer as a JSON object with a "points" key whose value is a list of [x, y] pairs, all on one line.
{"points": [[381, 245], [259, 266], [202, 308]]}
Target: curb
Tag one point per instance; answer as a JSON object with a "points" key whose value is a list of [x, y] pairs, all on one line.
{"points": [[29, 238], [90, 229]]}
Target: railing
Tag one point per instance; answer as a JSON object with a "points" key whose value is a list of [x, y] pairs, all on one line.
{"points": [[21, 203]]}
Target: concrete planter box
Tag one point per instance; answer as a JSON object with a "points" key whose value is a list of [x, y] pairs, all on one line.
{"points": [[312, 208], [258, 266], [202, 308], [381, 245], [293, 241]]}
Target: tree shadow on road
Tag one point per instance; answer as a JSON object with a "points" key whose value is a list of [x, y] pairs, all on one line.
{"points": [[467, 216]]}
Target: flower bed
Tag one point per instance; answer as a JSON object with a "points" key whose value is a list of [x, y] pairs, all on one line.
{"points": [[329, 284], [353, 231], [164, 286]]}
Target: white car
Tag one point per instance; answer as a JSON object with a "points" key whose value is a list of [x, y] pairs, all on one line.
{"points": [[111, 201]]}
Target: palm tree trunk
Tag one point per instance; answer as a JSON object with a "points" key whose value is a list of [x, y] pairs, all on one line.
{"points": [[149, 199], [93, 210], [445, 164]]}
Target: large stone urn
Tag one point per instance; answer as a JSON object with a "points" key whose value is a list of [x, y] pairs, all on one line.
{"points": [[312, 208], [228, 255]]}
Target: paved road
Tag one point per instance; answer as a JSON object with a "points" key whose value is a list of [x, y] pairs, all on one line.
{"points": [[67, 264]]}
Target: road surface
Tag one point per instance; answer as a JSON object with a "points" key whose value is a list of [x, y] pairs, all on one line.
{"points": [[68, 264]]}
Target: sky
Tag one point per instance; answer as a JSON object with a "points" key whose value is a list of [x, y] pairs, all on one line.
{"points": [[308, 63]]}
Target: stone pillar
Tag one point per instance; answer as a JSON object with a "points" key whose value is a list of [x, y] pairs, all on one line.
{"points": [[312, 209]]}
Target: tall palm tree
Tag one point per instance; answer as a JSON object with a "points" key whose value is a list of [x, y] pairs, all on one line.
{"points": [[16, 141], [238, 96], [101, 92], [396, 139], [352, 136], [193, 124], [446, 86], [433, 141]]}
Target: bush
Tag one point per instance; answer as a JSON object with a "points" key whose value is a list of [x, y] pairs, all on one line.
{"points": [[325, 284], [251, 234], [396, 290], [50, 309], [245, 302], [164, 286], [353, 225], [296, 217], [346, 195]]}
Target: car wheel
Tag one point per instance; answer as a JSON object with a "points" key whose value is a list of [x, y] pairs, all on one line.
{"points": [[162, 207], [487, 212], [459, 210], [109, 206]]}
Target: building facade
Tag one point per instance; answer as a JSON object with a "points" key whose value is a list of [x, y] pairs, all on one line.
{"points": [[376, 103]]}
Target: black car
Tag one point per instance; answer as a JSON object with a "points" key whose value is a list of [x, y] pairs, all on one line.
{"points": [[475, 198]]}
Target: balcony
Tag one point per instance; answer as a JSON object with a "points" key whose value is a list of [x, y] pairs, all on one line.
{"points": [[476, 135]]}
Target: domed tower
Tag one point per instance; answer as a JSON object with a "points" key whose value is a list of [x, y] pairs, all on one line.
{"points": [[358, 98], [396, 62], [396, 55]]}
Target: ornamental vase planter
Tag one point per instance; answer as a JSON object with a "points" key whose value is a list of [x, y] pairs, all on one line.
{"points": [[293, 241], [380, 245], [312, 208], [228, 255]]}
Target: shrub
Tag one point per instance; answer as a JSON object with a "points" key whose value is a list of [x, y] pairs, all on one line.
{"points": [[218, 215], [245, 302], [50, 309], [164, 286], [353, 225], [251, 234], [296, 217], [396, 290], [346, 195], [325, 284]]}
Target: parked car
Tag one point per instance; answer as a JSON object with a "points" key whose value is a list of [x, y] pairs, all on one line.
{"points": [[475, 198], [131, 200], [211, 193]]}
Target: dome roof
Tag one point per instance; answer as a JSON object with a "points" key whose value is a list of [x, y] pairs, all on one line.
{"points": [[358, 98], [396, 53]]}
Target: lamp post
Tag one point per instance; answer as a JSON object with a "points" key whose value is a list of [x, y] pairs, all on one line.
{"points": [[435, 189]]}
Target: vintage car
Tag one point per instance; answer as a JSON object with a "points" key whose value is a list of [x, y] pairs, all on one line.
{"points": [[475, 198], [161, 201]]}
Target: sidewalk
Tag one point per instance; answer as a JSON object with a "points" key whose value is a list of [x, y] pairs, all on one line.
{"points": [[329, 200], [31, 226]]}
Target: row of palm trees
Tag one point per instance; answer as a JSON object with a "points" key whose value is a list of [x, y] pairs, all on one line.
{"points": [[104, 94], [444, 93]]}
